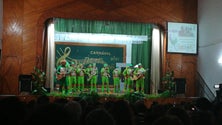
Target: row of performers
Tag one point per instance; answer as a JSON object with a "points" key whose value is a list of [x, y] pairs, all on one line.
{"points": [[71, 78]]}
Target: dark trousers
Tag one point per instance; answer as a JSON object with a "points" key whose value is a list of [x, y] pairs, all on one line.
{"points": [[63, 84]]}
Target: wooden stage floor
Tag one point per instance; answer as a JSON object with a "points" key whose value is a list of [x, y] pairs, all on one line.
{"points": [[104, 97]]}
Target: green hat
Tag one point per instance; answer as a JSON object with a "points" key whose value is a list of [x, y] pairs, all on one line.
{"points": [[72, 63], [139, 64], [94, 64], [105, 65], [129, 64]]}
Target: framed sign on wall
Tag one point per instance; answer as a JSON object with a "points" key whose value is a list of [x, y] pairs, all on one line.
{"points": [[182, 38]]}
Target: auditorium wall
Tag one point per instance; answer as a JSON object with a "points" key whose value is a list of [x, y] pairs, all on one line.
{"points": [[23, 26]]}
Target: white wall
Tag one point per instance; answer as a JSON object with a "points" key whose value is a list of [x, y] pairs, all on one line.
{"points": [[210, 41]]}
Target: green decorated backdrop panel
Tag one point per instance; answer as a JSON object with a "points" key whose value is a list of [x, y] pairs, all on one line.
{"points": [[87, 53]]}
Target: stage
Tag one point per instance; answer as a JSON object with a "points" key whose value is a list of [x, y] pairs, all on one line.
{"points": [[148, 99]]}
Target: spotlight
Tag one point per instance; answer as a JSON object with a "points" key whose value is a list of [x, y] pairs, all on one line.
{"points": [[218, 92], [218, 86]]}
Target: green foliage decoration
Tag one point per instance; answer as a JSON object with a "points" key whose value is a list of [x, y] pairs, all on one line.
{"points": [[134, 96], [38, 82], [169, 83], [91, 98]]}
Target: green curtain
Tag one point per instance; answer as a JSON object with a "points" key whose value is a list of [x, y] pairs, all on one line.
{"points": [[109, 27], [141, 53]]}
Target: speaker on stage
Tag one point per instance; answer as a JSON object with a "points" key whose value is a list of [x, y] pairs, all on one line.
{"points": [[25, 83], [180, 87]]}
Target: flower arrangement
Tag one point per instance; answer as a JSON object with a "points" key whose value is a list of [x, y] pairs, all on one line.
{"points": [[38, 82], [169, 83]]}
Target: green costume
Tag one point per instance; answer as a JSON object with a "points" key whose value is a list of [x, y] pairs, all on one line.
{"points": [[128, 74], [105, 74], [88, 70], [116, 79], [73, 77], [61, 72], [140, 74], [80, 77], [92, 73]]}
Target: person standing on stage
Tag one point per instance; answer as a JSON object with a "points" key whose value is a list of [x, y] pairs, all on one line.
{"points": [[61, 72], [105, 74], [139, 77], [68, 77], [93, 75], [80, 77], [128, 74], [88, 77], [73, 77], [116, 79]]}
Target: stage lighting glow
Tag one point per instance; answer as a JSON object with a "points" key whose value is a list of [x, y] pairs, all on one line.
{"points": [[218, 86], [220, 60], [99, 38]]}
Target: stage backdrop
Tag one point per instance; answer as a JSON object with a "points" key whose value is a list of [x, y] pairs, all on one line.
{"points": [[87, 53]]}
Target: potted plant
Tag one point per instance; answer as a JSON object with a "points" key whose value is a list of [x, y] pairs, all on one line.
{"points": [[168, 83], [38, 82]]}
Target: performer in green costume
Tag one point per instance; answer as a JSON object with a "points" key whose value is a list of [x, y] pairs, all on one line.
{"points": [[88, 70], [92, 77], [61, 72], [73, 77], [116, 79], [68, 77], [128, 73], [105, 74], [140, 76], [80, 77]]}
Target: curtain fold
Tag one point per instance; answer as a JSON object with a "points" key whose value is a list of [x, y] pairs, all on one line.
{"points": [[48, 53], [155, 62], [109, 27]]}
